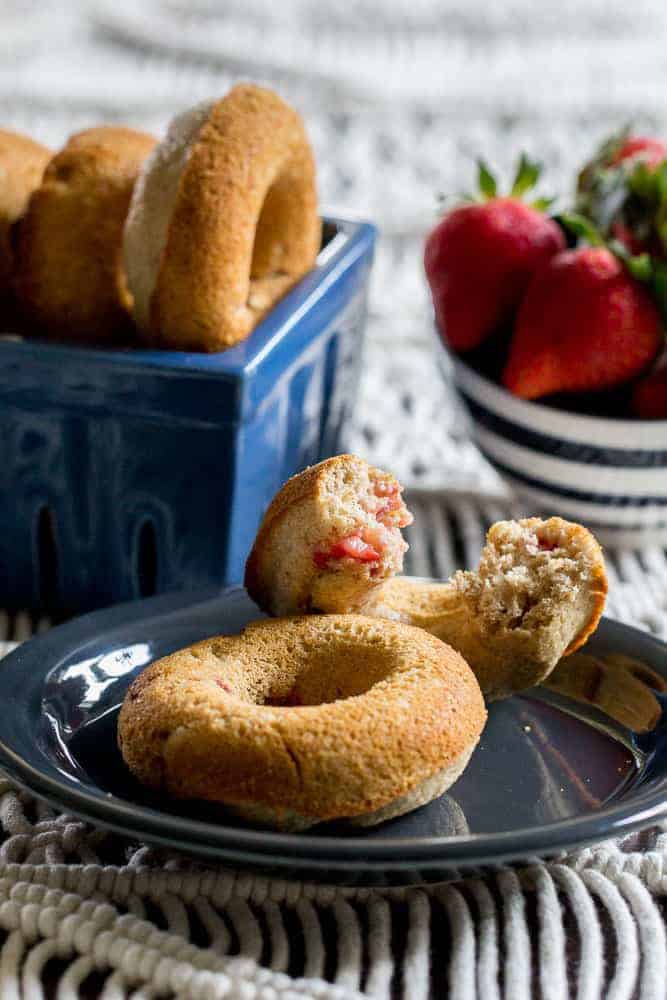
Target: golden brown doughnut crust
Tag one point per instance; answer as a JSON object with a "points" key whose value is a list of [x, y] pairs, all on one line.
{"points": [[196, 724], [69, 276], [22, 163], [245, 226]]}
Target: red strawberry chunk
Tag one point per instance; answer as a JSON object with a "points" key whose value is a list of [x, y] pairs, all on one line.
{"points": [[350, 547], [546, 546], [386, 487]]}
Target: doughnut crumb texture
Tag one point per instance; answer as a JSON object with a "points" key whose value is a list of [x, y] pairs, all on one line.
{"points": [[536, 596], [304, 720]]}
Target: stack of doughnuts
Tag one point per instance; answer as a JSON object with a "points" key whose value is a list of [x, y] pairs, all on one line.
{"points": [[69, 278], [364, 697], [184, 244], [22, 164]]}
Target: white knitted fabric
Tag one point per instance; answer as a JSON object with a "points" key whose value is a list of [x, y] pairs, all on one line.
{"points": [[399, 97]]}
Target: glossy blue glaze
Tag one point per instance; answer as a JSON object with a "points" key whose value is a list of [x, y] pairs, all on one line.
{"points": [[127, 473]]}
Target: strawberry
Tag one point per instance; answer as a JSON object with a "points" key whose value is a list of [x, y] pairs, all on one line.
{"points": [[481, 256], [584, 324], [641, 147], [623, 192], [649, 396]]}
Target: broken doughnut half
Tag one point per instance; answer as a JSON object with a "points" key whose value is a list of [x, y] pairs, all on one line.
{"points": [[330, 537], [331, 542]]}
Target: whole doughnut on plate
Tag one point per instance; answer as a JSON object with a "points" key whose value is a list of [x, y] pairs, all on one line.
{"points": [[69, 276], [223, 221], [302, 720]]}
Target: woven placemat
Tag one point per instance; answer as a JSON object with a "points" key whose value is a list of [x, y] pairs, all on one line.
{"points": [[93, 914]]}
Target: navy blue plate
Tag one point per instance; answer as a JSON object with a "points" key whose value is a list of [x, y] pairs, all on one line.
{"points": [[549, 773]]}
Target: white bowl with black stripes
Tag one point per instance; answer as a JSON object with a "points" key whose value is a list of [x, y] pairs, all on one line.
{"points": [[608, 474]]}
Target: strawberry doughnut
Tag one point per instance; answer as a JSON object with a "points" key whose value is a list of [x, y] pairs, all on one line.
{"points": [[537, 595], [22, 163], [223, 221], [329, 538], [303, 720], [69, 277]]}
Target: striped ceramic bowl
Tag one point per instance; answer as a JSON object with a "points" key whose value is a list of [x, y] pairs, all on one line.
{"points": [[608, 474]]}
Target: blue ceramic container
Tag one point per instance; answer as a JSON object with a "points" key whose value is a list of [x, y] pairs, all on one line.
{"points": [[129, 473]]}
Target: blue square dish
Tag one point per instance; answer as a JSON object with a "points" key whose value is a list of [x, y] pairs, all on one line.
{"points": [[129, 473]]}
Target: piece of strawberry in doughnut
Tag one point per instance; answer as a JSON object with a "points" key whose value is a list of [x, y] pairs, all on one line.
{"points": [[331, 535]]}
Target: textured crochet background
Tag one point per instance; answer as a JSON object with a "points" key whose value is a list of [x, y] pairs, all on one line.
{"points": [[399, 98]]}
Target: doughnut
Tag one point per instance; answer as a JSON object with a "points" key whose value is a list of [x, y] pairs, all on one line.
{"points": [[22, 163], [537, 594], [223, 221], [69, 277], [302, 720], [331, 535]]}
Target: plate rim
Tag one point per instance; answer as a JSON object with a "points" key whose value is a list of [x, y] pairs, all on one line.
{"points": [[260, 846]]}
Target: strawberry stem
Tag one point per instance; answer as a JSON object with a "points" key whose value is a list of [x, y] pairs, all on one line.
{"points": [[527, 175], [582, 227], [486, 181]]}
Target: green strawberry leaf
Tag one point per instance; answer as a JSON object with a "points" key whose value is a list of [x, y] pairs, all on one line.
{"points": [[526, 177], [659, 287], [661, 229], [542, 204], [642, 181], [582, 227], [660, 181], [639, 265], [486, 180], [610, 147]]}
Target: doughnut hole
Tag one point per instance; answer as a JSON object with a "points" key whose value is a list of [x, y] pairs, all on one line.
{"points": [[279, 235], [322, 674]]}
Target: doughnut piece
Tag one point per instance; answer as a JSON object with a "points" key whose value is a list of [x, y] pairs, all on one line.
{"points": [[330, 536], [22, 163], [69, 277], [223, 221], [538, 593], [307, 719]]}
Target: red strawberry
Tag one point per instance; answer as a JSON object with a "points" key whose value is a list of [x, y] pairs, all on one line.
{"points": [[627, 238], [481, 256], [649, 398], [622, 191], [584, 324], [651, 151]]}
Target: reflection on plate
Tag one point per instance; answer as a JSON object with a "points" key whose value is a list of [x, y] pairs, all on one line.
{"points": [[620, 686], [582, 760]]}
